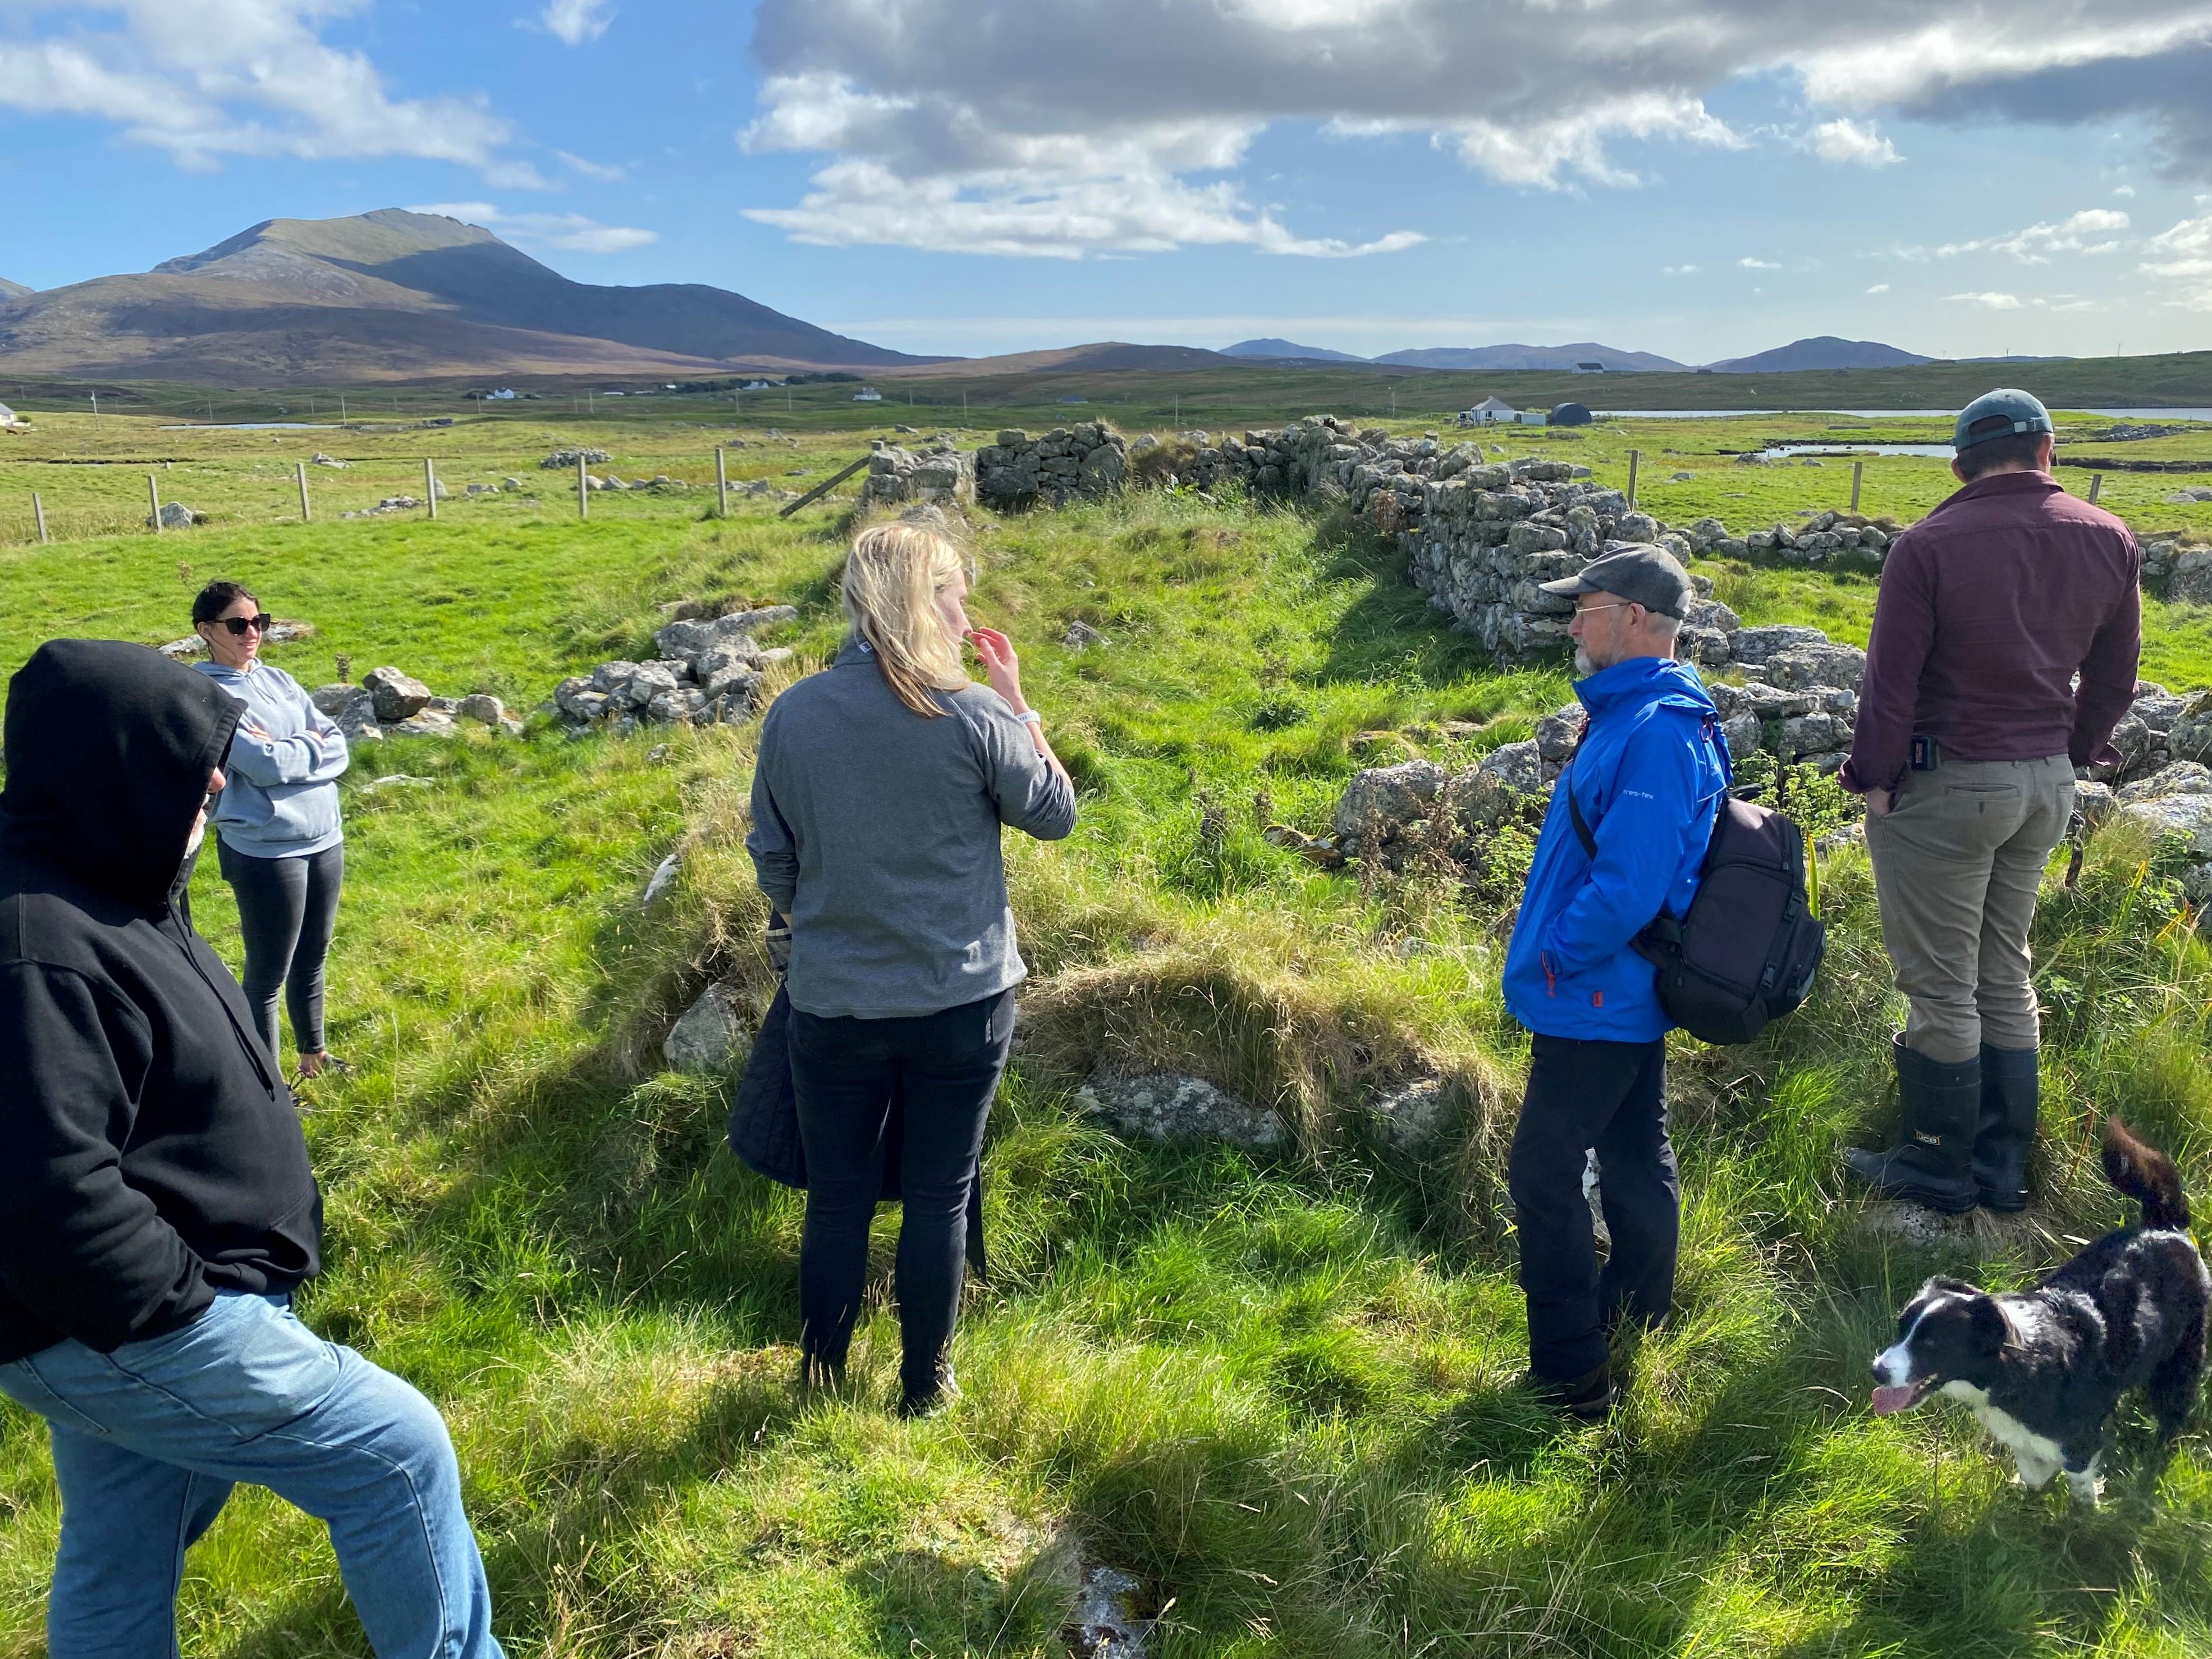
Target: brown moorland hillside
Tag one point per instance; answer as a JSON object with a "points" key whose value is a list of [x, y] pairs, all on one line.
{"points": [[393, 295]]}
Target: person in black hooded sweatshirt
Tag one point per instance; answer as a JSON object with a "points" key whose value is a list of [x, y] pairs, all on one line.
{"points": [[156, 1206]]}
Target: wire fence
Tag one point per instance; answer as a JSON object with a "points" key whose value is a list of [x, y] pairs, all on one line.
{"points": [[55, 501]]}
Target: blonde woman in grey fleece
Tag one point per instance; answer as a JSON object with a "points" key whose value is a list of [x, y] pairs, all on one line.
{"points": [[883, 786]]}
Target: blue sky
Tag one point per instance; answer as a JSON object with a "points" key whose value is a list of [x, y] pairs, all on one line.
{"points": [[1693, 178]]}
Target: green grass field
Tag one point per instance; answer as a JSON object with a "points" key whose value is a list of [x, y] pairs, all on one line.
{"points": [[1278, 1391]]}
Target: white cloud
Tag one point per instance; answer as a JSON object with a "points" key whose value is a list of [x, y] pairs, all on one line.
{"points": [[605, 173], [1879, 288], [576, 21], [2086, 231], [1537, 153], [207, 79], [1066, 129], [921, 174], [2065, 302], [1679, 271], [1853, 142], [1750, 263], [2124, 190], [1988, 302], [570, 231], [2183, 257], [218, 78]]}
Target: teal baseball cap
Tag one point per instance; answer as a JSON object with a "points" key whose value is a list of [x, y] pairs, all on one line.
{"points": [[2004, 413]]}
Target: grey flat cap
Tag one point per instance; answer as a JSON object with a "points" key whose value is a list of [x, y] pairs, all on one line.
{"points": [[1642, 572]]}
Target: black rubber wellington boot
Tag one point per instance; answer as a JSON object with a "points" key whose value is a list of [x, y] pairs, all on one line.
{"points": [[1940, 1108], [2011, 1086]]}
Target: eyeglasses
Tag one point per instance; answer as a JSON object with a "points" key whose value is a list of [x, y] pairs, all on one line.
{"points": [[238, 625], [1592, 609]]}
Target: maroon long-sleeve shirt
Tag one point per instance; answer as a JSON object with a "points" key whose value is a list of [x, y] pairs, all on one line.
{"points": [[1991, 606]]}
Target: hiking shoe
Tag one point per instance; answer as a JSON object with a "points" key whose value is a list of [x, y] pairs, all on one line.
{"points": [[928, 1401], [1589, 1397]]}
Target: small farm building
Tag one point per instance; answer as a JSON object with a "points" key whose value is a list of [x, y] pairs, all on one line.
{"points": [[1569, 415], [867, 394]]}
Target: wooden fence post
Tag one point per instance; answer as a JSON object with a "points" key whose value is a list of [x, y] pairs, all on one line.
{"points": [[583, 492], [1635, 458], [305, 517], [721, 482], [153, 494], [1858, 476], [431, 484], [39, 511], [2096, 485]]}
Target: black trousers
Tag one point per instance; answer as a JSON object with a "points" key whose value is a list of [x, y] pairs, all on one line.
{"points": [[946, 1067], [1610, 1096], [288, 908]]}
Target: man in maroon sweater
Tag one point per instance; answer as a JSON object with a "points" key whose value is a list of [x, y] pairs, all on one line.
{"points": [[2003, 653]]}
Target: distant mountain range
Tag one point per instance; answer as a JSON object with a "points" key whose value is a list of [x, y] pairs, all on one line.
{"points": [[1291, 349], [1821, 352], [396, 295], [1824, 351], [1508, 359]]}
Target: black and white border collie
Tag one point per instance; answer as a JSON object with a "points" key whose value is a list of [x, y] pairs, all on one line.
{"points": [[2043, 1368]]}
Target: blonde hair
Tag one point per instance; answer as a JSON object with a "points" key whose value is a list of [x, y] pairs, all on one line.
{"points": [[892, 580]]}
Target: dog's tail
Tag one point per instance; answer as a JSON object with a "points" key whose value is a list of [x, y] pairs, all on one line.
{"points": [[2145, 1175]]}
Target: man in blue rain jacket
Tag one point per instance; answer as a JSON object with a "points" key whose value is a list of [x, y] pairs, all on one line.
{"points": [[1648, 776]]}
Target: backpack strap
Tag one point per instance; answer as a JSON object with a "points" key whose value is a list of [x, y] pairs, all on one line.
{"points": [[1583, 831]]}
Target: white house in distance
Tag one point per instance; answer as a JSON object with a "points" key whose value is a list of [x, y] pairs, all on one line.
{"points": [[7, 416], [867, 394], [1589, 369], [1496, 411]]}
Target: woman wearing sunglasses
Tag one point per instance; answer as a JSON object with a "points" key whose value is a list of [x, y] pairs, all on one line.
{"points": [[278, 835]]}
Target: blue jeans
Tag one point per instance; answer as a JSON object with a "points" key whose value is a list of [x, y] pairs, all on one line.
{"points": [[148, 1440]]}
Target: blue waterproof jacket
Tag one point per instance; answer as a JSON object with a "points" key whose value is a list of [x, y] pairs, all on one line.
{"points": [[1649, 777]]}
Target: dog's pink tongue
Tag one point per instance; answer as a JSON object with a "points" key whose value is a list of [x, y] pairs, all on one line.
{"points": [[1889, 1400]]}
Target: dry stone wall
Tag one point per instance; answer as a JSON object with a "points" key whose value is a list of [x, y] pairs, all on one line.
{"points": [[1067, 464], [937, 474]]}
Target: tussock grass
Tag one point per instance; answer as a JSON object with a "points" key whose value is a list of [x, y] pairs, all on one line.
{"points": [[1277, 1390]]}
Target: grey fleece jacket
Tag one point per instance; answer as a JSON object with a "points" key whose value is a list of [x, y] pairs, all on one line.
{"points": [[875, 830]]}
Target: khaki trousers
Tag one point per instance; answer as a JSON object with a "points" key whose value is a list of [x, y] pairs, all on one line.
{"points": [[1957, 863]]}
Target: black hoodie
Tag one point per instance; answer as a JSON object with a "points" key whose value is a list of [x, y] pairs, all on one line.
{"points": [[149, 1152]]}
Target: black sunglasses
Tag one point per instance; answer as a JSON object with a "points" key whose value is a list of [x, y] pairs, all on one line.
{"points": [[238, 625]]}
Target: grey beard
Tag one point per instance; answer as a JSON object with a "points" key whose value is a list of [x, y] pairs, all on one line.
{"points": [[1584, 667]]}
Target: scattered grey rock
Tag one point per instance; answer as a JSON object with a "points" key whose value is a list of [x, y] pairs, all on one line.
{"points": [[175, 515], [663, 873], [1164, 1107], [1081, 636], [396, 697], [1414, 1117], [568, 458], [1382, 799], [711, 1035], [1105, 1623], [482, 708], [1518, 766]]}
